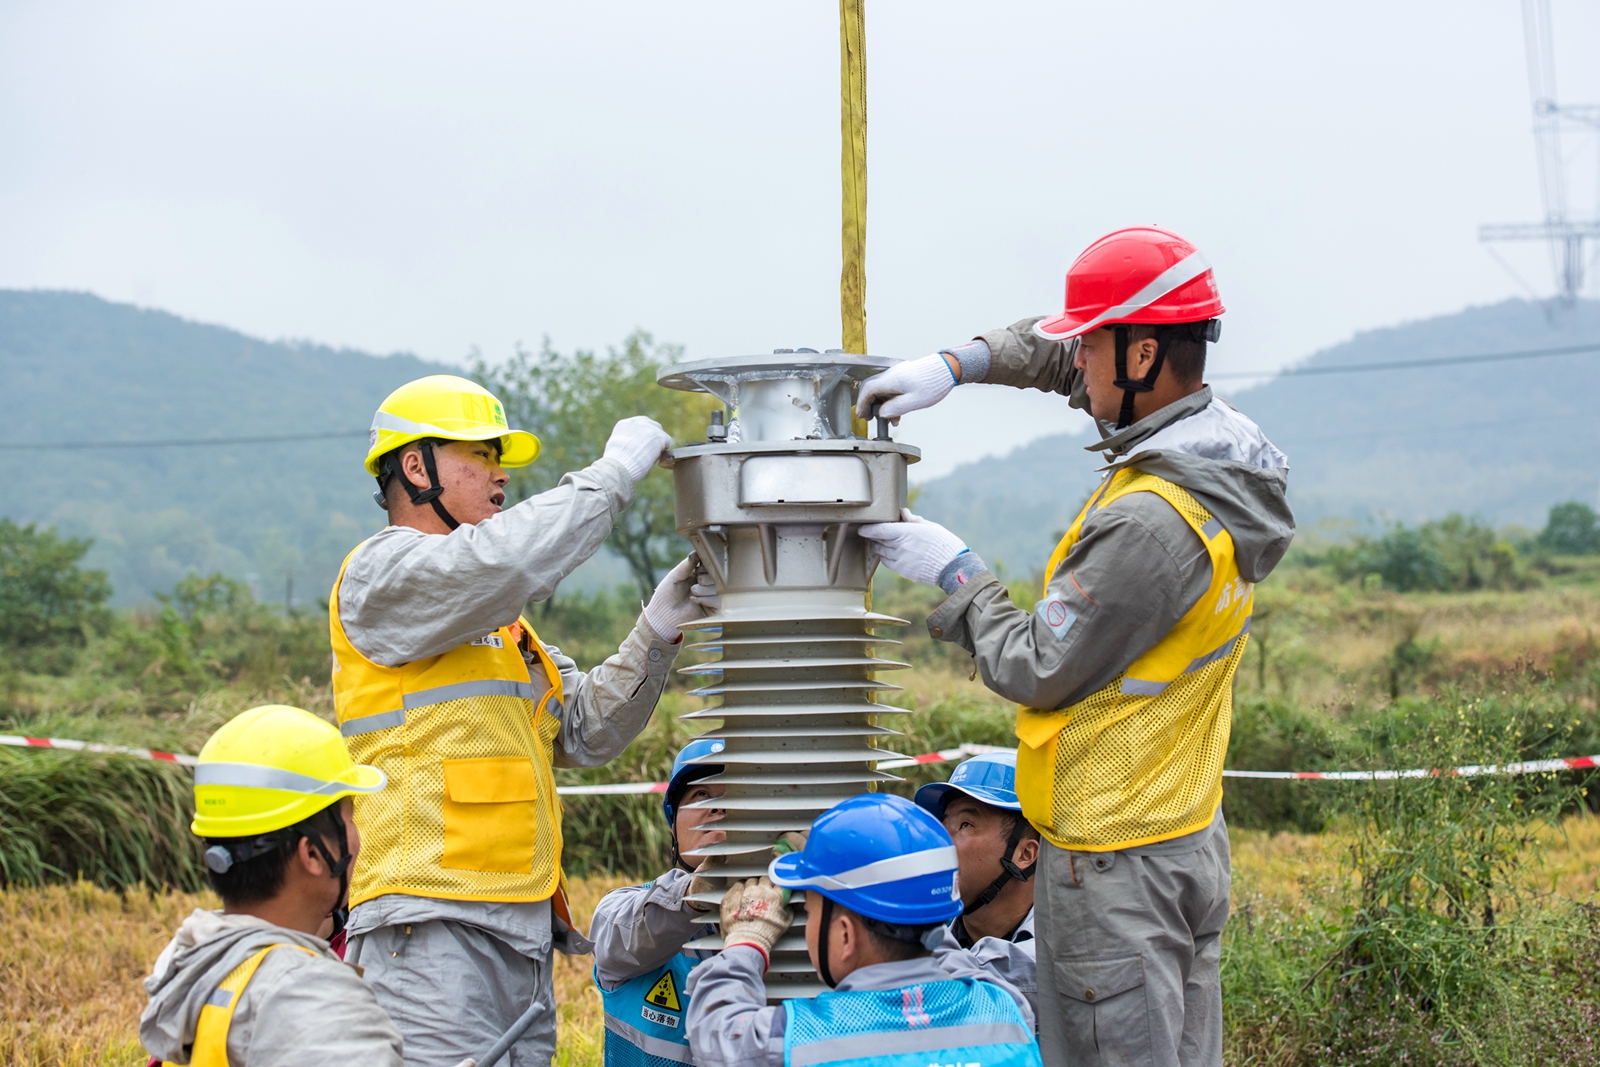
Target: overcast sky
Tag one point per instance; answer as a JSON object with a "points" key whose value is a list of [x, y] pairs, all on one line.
{"points": [[431, 177]]}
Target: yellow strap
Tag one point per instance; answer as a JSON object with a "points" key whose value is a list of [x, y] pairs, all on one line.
{"points": [[216, 1017], [853, 167]]}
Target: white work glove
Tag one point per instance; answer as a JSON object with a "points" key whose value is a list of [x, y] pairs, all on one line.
{"points": [[753, 914], [674, 602], [914, 548], [637, 443], [912, 385]]}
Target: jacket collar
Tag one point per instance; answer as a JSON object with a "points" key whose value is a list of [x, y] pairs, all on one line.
{"points": [[1119, 442], [894, 975]]}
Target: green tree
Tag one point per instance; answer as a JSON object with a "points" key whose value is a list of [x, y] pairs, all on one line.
{"points": [[1455, 553], [571, 401], [48, 603], [1573, 529]]}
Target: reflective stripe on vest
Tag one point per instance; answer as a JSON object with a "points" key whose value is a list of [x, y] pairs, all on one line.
{"points": [[953, 1023], [1140, 760], [210, 1047], [647, 1017], [467, 739]]}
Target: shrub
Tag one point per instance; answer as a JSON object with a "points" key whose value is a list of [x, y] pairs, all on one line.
{"points": [[1455, 554], [1572, 529], [48, 603], [115, 821]]}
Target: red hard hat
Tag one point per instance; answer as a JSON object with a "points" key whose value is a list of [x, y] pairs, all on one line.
{"points": [[1142, 274]]}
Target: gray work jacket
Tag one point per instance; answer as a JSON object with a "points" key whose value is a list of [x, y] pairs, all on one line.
{"points": [[1137, 567], [406, 595]]}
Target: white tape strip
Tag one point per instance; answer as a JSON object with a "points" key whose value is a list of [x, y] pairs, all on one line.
{"points": [[1543, 766]]}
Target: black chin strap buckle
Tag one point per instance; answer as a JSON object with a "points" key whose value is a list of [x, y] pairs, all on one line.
{"points": [[419, 497]]}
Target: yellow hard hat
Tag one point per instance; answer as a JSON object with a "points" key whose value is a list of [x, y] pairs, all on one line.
{"points": [[448, 407], [270, 768]]}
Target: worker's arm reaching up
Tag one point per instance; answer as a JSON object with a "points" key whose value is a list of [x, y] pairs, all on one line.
{"points": [[407, 595], [1014, 356]]}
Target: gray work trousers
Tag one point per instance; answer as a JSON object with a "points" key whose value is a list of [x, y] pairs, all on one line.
{"points": [[1129, 953], [453, 989]]}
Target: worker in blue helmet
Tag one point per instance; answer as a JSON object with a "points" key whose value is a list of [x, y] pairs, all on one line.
{"points": [[639, 931], [997, 850], [880, 880]]}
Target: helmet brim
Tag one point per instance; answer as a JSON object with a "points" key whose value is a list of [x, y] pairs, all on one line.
{"points": [[977, 792], [1064, 327], [789, 872]]}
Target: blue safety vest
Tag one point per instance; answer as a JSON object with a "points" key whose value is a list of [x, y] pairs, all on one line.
{"points": [[647, 1018], [956, 1023]]}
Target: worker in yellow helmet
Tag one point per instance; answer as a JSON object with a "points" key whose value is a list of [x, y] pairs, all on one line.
{"points": [[254, 983], [456, 902]]}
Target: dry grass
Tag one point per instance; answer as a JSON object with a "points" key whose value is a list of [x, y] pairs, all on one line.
{"points": [[71, 961], [71, 958], [1289, 870]]}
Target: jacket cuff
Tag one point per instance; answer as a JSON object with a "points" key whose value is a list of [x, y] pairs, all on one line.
{"points": [[948, 621], [974, 357], [766, 960], [615, 482], [960, 571]]}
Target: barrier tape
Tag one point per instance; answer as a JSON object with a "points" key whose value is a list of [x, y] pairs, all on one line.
{"points": [[89, 746], [1541, 766]]}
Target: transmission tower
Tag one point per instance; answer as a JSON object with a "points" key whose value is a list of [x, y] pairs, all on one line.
{"points": [[1564, 235]]}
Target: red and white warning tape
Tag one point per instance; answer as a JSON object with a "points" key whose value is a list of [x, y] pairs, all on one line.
{"points": [[89, 746], [1542, 766], [1538, 766]]}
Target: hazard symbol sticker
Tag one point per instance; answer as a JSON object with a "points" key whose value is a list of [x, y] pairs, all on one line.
{"points": [[1056, 615], [664, 994]]}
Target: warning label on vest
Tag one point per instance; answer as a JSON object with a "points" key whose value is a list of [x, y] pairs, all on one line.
{"points": [[660, 1018], [664, 994]]}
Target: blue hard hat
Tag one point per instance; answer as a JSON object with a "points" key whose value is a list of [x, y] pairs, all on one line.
{"points": [[685, 771], [882, 857], [990, 778]]}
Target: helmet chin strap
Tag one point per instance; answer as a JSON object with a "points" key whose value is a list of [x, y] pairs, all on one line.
{"points": [[1132, 387], [1008, 871], [339, 869], [826, 919], [429, 495]]}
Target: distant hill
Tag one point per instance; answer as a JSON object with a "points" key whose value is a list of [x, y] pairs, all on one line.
{"points": [[75, 368], [1502, 441]]}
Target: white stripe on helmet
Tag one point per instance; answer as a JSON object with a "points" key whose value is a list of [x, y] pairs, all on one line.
{"points": [[256, 776], [1176, 276], [385, 421], [893, 869]]}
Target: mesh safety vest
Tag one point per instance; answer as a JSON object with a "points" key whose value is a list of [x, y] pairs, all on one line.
{"points": [[1140, 760], [467, 739], [210, 1047], [645, 1017], [956, 1023]]}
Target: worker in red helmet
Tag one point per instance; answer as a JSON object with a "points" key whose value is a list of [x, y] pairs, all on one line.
{"points": [[1123, 669]]}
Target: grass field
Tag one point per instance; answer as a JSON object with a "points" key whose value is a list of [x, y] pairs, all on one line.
{"points": [[72, 957], [1438, 921]]}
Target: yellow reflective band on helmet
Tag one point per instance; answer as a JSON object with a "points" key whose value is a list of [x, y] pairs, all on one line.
{"points": [[450, 408]]}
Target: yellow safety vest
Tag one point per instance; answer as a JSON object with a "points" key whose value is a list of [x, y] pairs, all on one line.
{"points": [[210, 1047], [1140, 760], [467, 739]]}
